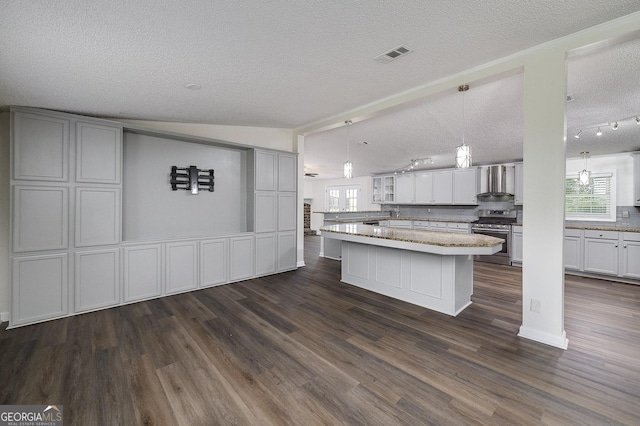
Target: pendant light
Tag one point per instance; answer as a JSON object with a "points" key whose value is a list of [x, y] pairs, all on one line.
{"points": [[463, 152], [584, 177], [347, 167]]}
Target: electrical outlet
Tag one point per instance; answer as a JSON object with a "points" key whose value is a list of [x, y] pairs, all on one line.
{"points": [[625, 213], [536, 305]]}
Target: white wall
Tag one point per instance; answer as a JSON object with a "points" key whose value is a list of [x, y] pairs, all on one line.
{"points": [[264, 137], [4, 217], [151, 210], [621, 163], [318, 194]]}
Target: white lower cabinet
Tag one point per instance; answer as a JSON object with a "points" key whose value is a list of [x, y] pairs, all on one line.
{"points": [[287, 251], [97, 279], [516, 244], [213, 262], [241, 260], [601, 252], [630, 253], [265, 254], [39, 289], [181, 266], [142, 272], [573, 249]]}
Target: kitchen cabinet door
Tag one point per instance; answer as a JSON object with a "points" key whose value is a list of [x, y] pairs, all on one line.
{"points": [[213, 262], [466, 186], [573, 252], [40, 147], [266, 174], [405, 188], [376, 189], [630, 253], [519, 174], [181, 266], [287, 172], [424, 188], [601, 256], [443, 187], [287, 251], [97, 279], [142, 272], [266, 254], [516, 245], [636, 178], [389, 189], [98, 153], [241, 257], [40, 285], [266, 212]]}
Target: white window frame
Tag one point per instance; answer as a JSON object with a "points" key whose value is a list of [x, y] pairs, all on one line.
{"points": [[608, 217], [342, 197]]}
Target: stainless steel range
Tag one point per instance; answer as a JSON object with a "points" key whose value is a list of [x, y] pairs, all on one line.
{"points": [[496, 223]]}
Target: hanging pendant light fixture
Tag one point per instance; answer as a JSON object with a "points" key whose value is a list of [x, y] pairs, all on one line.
{"points": [[584, 177], [463, 152], [347, 167]]}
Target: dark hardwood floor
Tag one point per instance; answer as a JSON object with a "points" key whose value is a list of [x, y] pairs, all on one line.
{"points": [[302, 348]]}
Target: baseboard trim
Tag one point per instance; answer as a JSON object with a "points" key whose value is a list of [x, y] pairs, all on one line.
{"points": [[4, 316], [300, 264], [548, 339]]}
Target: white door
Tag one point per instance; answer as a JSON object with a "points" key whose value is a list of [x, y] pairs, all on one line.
{"points": [[342, 198]]}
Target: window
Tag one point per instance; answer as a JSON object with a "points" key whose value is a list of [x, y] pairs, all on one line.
{"points": [[342, 198], [597, 202]]}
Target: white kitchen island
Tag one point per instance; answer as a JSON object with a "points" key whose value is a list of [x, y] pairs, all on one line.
{"points": [[427, 268]]}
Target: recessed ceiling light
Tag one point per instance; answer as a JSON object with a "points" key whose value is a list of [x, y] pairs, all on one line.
{"points": [[192, 86]]}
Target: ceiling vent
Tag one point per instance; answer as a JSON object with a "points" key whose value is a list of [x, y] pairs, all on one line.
{"points": [[393, 54]]}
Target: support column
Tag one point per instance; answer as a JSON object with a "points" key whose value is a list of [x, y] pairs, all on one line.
{"points": [[298, 146], [545, 80]]}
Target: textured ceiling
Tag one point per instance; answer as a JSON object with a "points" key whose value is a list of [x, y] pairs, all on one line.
{"points": [[267, 63]]}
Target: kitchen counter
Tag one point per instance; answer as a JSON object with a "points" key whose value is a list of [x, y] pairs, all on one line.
{"points": [[424, 219], [599, 227], [429, 269]]}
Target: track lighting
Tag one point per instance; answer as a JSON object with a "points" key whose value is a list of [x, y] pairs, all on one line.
{"points": [[637, 120], [614, 126], [577, 136], [413, 164], [599, 132]]}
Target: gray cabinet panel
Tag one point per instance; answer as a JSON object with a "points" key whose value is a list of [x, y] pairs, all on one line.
{"points": [[142, 272], [40, 147], [287, 176], [39, 289], [241, 258], [266, 175], [181, 267], [213, 262], [287, 251], [287, 212], [40, 218], [98, 153], [97, 279], [265, 254], [97, 216], [265, 211]]}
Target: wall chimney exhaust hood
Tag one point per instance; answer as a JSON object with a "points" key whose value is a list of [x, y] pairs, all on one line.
{"points": [[497, 181]]}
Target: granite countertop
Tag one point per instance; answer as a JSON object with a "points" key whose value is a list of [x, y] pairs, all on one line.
{"points": [[359, 211], [598, 227], [434, 238], [424, 219]]}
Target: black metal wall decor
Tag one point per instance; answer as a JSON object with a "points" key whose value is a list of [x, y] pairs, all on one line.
{"points": [[191, 179]]}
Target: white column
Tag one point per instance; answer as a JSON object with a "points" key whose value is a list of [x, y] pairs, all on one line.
{"points": [[543, 215], [298, 146]]}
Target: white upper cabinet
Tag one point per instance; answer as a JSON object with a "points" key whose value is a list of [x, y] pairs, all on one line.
{"points": [[287, 176], [97, 216], [519, 174], [40, 218], [405, 188], [466, 186], [41, 147], [266, 170], [636, 178], [424, 187], [443, 187], [98, 153], [384, 189]]}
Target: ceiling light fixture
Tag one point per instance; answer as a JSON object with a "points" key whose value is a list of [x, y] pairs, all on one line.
{"points": [[614, 126], [413, 164], [192, 86], [599, 132], [347, 166], [463, 152], [584, 177], [637, 119], [577, 136]]}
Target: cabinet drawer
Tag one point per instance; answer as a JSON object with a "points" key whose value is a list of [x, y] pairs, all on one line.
{"points": [[441, 226], [515, 229], [604, 235], [425, 224], [460, 226], [631, 236], [574, 232]]}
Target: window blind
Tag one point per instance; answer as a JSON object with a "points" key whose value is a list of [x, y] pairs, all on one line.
{"points": [[595, 202]]}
